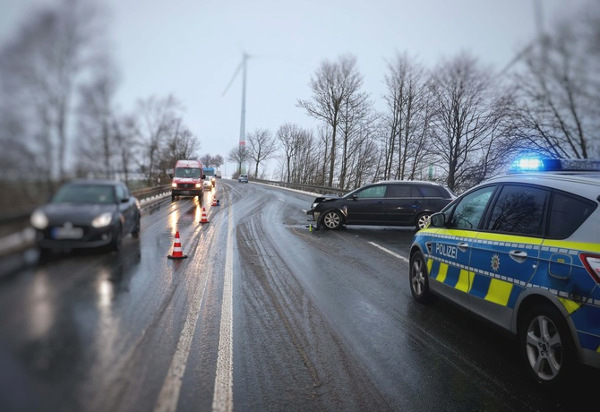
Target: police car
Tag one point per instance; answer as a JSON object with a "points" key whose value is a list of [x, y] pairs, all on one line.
{"points": [[523, 251]]}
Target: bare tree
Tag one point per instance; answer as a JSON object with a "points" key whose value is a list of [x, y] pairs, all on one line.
{"points": [[96, 119], [238, 155], [407, 119], [366, 162], [324, 135], [332, 85], [41, 68], [287, 135], [356, 112], [218, 161], [206, 160], [180, 144], [125, 135], [303, 161], [559, 90], [468, 117], [261, 147], [158, 120]]}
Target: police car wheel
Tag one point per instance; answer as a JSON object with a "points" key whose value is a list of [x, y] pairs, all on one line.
{"points": [[418, 277], [546, 344], [332, 220]]}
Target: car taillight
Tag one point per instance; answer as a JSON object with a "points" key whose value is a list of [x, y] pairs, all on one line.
{"points": [[592, 264]]}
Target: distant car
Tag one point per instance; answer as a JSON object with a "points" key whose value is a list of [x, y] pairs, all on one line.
{"points": [[523, 252], [209, 177], [243, 179], [385, 203], [87, 214]]}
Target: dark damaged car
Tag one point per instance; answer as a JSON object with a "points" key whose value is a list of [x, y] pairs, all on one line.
{"points": [[385, 203]]}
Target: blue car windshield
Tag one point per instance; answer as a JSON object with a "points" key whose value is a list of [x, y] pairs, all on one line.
{"points": [[101, 194]]}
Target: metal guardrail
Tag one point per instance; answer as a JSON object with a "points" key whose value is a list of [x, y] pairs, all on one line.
{"points": [[323, 190]]}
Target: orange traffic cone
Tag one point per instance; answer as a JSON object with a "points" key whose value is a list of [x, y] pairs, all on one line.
{"points": [[177, 253], [203, 219], [215, 202]]}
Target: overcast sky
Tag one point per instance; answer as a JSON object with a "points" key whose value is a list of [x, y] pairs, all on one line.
{"points": [[191, 48]]}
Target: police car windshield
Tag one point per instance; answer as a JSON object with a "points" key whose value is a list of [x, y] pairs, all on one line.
{"points": [[189, 172]]}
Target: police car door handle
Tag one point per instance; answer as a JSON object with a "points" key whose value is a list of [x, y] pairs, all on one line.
{"points": [[518, 255], [463, 246]]}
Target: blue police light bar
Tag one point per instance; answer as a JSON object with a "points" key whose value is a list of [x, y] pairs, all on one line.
{"points": [[536, 164]]}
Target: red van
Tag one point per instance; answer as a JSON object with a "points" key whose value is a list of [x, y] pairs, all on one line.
{"points": [[187, 179]]}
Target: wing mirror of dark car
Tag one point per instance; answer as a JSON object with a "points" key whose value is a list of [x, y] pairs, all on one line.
{"points": [[437, 220], [354, 196], [203, 177]]}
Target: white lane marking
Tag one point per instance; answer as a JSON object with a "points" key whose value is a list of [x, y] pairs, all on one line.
{"points": [[223, 393], [390, 252], [169, 393]]}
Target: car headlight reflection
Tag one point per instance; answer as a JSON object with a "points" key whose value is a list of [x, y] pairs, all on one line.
{"points": [[39, 220], [102, 220]]}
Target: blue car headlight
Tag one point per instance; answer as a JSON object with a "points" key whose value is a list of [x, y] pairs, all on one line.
{"points": [[102, 220], [39, 220]]}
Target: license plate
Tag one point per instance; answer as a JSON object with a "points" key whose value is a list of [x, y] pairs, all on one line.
{"points": [[67, 233], [185, 192]]}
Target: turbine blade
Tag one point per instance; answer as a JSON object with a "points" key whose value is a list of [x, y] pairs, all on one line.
{"points": [[233, 77]]}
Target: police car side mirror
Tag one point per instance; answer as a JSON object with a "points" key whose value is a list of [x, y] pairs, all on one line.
{"points": [[438, 220]]}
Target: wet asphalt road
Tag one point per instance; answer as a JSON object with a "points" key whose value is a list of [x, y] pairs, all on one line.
{"points": [[263, 314]]}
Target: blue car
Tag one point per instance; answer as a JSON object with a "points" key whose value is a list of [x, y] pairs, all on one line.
{"points": [[87, 214]]}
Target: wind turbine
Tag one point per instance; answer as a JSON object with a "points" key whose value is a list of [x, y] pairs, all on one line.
{"points": [[242, 66]]}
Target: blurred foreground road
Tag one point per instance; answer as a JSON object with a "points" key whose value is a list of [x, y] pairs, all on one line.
{"points": [[263, 314]]}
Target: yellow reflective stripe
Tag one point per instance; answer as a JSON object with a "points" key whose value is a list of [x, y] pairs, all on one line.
{"points": [[464, 283], [570, 305], [579, 247], [499, 292], [429, 265], [442, 272], [509, 238], [458, 233]]}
